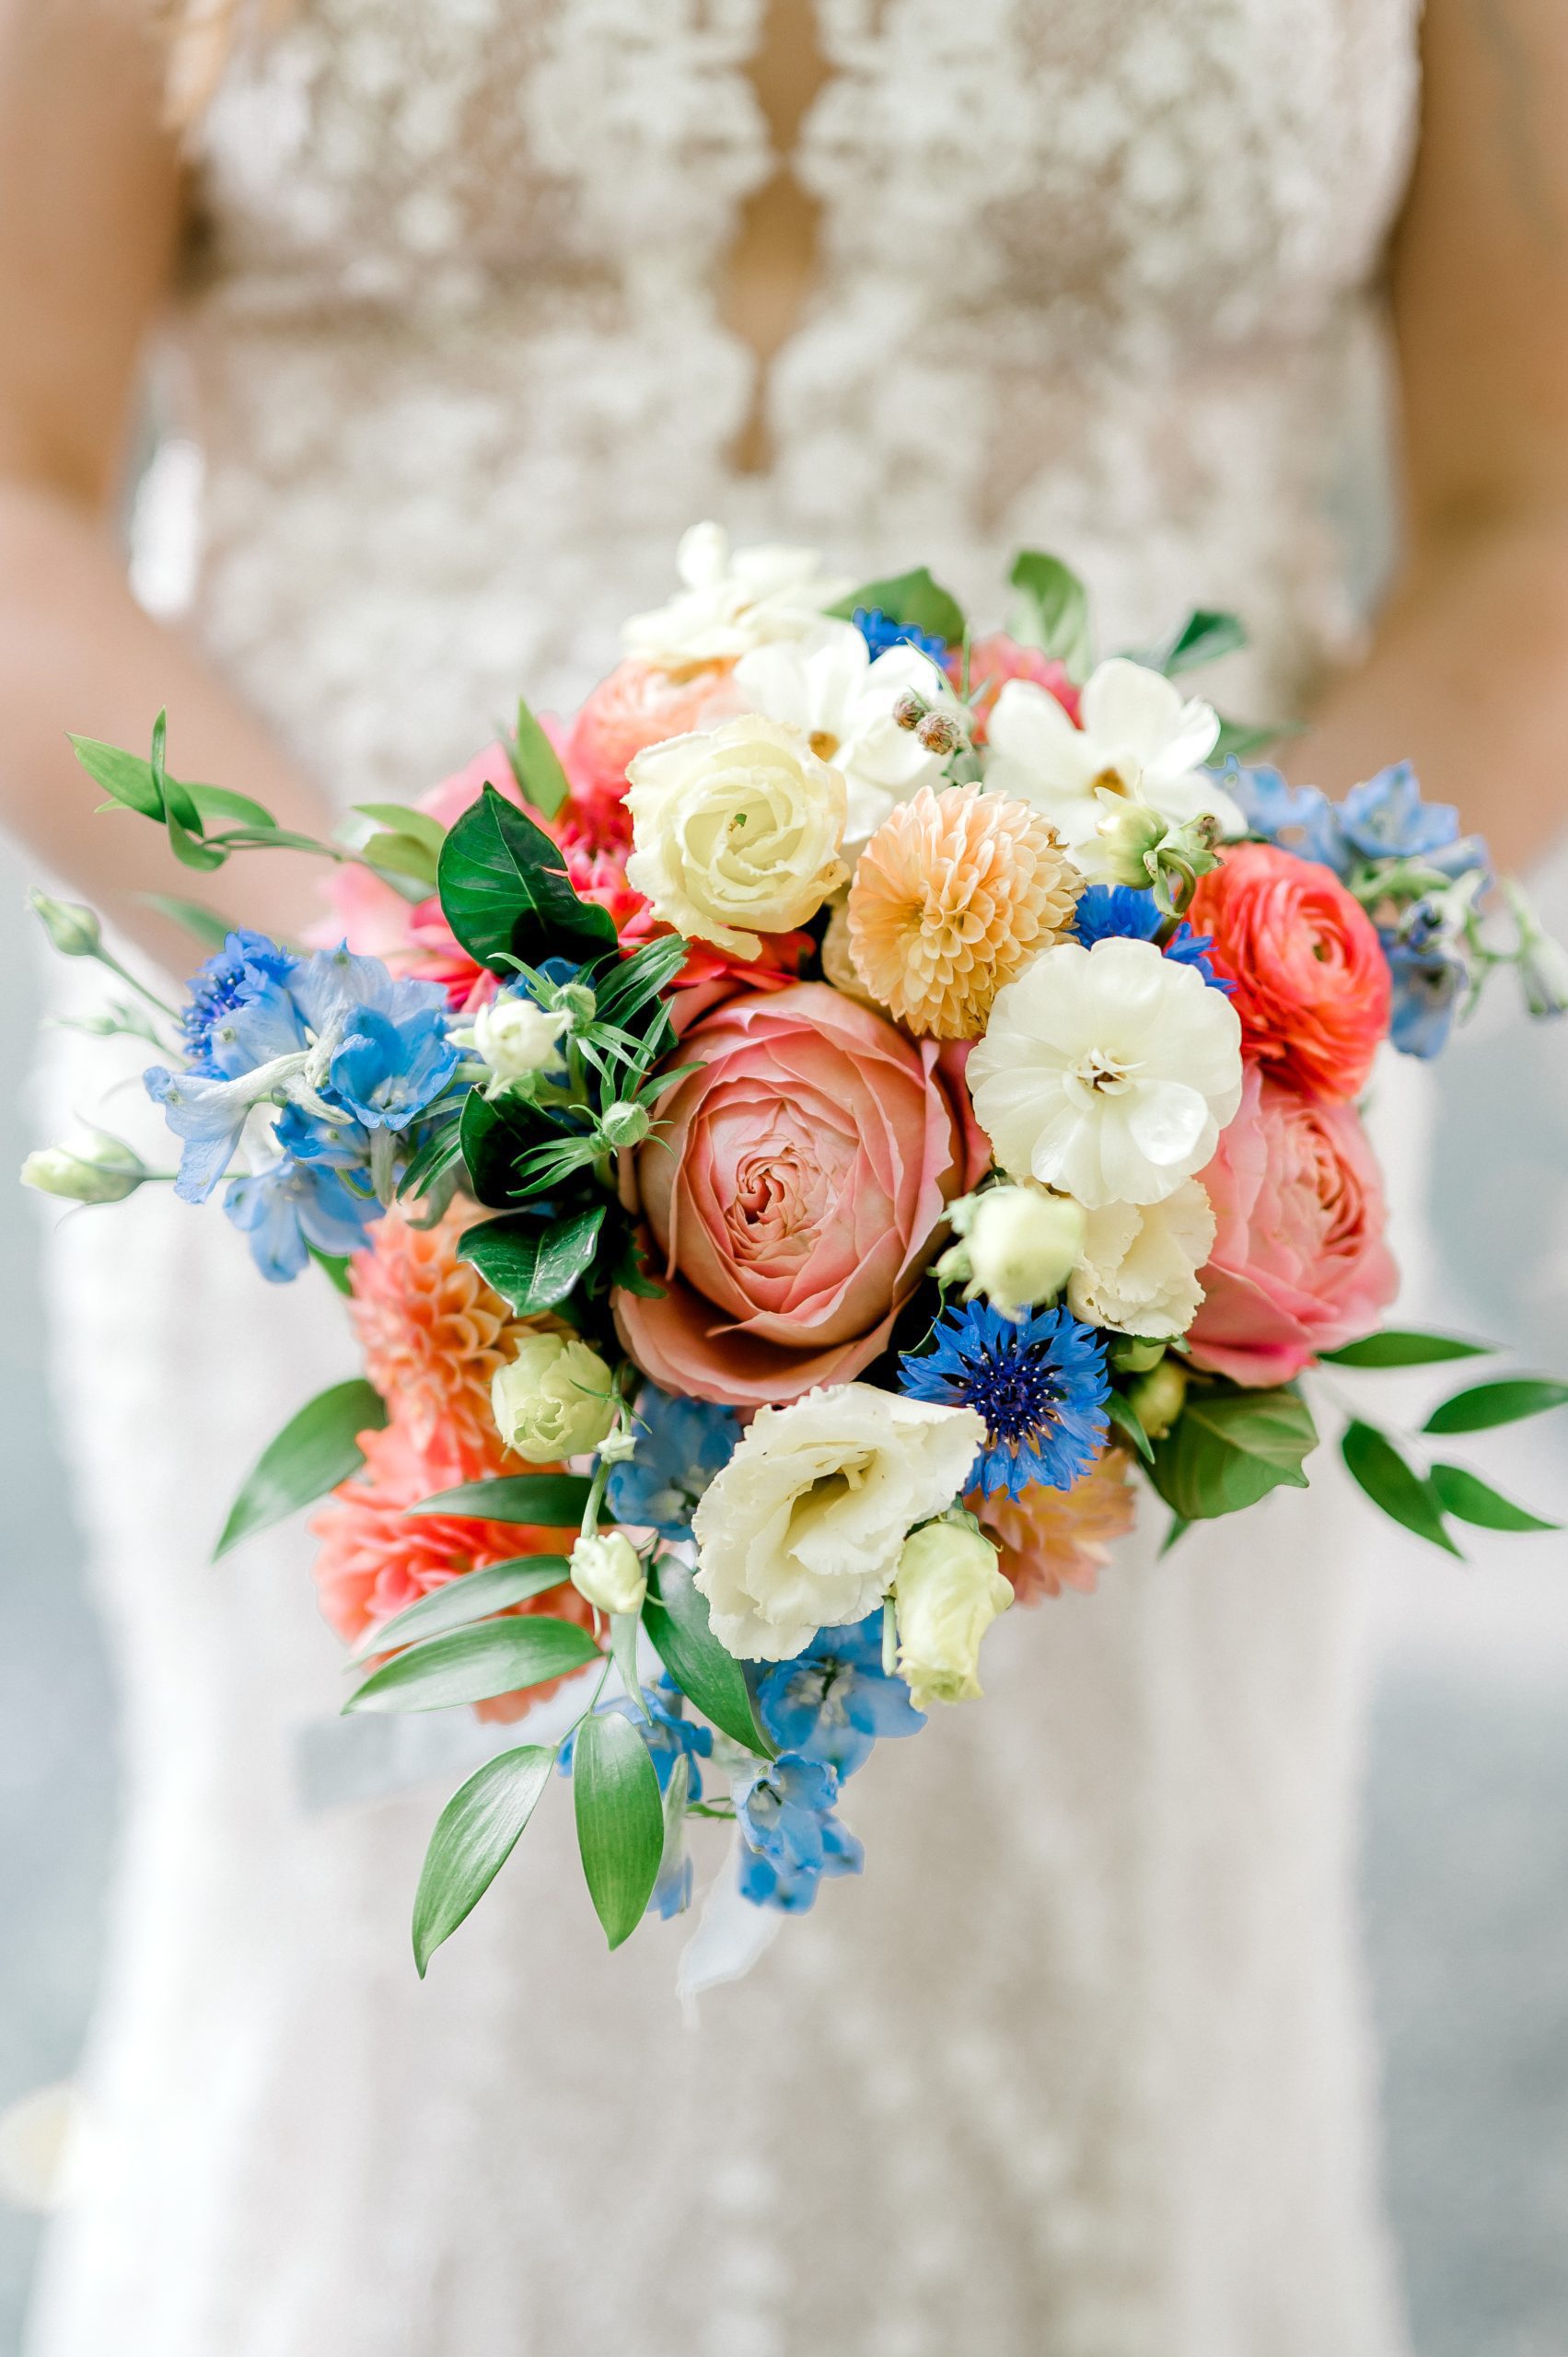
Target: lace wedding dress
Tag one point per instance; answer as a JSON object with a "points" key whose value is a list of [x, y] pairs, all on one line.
{"points": [[1080, 2066]]}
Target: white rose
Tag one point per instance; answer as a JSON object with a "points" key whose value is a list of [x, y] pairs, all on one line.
{"points": [[553, 1399], [518, 1038], [737, 831], [949, 1591], [607, 1571], [1138, 1269], [731, 601], [1107, 1072], [803, 1528]]}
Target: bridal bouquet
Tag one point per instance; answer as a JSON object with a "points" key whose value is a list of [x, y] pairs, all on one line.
{"points": [[813, 1146]]}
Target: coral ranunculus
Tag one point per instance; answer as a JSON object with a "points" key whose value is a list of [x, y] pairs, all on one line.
{"points": [[1312, 982], [1299, 1264], [794, 1196]]}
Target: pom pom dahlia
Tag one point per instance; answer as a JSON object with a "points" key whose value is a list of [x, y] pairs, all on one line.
{"points": [[953, 896], [432, 1332], [1056, 1538]]}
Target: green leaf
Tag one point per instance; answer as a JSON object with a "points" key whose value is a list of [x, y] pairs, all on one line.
{"points": [[472, 1665], [505, 893], [335, 1267], [401, 818], [677, 1792], [1463, 1493], [1376, 1464], [557, 1500], [476, 1597], [536, 765], [1203, 638], [706, 1673], [209, 927], [316, 1450], [1486, 1404], [1240, 740], [404, 855], [912, 599], [220, 802], [1404, 1349], [1125, 1417], [620, 1820], [530, 1264], [624, 1628], [1052, 610], [475, 1834], [1179, 1528], [1228, 1448], [494, 1138], [124, 776]]}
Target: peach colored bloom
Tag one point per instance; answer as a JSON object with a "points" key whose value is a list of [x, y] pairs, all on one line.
{"points": [[1299, 1264], [995, 660], [954, 894], [794, 1197], [1056, 1538], [432, 1332], [1312, 982], [636, 706]]}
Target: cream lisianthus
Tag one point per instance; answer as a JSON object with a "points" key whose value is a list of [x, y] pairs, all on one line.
{"points": [[803, 1528], [736, 832], [1138, 1270], [948, 1593], [828, 686], [518, 1038], [731, 600], [1141, 742], [607, 1571], [1107, 1072], [553, 1399]]}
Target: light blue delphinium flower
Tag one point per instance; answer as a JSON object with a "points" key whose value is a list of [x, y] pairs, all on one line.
{"points": [[1296, 818], [1123, 911], [790, 1836], [387, 1071], [1428, 985], [291, 1205], [1038, 1381], [208, 1115], [227, 981], [1384, 818], [833, 1701], [681, 1444]]}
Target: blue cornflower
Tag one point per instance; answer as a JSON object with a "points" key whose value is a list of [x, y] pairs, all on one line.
{"points": [[1040, 1383], [880, 632], [681, 1444], [833, 1701], [1124, 912], [229, 978], [291, 1205], [387, 1071], [790, 1837]]}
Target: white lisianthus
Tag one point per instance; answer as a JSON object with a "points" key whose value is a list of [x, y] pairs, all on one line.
{"points": [[803, 1527], [1020, 1245], [732, 600], [553, 1399], [948, 1593], [828, 686], [517, 1038], [1107, 1072], [1138, 1273], [1141, 742], [736, 832], [607, 1571]]}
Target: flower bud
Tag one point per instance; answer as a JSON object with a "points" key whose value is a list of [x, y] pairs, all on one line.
{"points": [[608, 1570], [1542, 962], [939, 733], [1023, 1246], [517, 1039], [910, 710], [1158, 1398], [947, 1592], [74, 930], [1131, 833], [578, 1001], [105, 1173], [553, 1399], [625, 1124]]}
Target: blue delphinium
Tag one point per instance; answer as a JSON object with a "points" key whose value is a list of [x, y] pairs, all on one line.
{"points": [[790, 1836], [228, 979], [681, 1444], [833, 1701], [387, 1072], [880, 632], [1123, 911], [1384, 818], [1296, 818], [291, 1205], [1039, 1382]]}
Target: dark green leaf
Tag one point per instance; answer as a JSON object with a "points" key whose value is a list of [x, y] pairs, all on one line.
{"points": [[1203, 638], [494, 1138], [1052, 610], [912, 599], [1485, 1404], [1404, 1349], [620, 1820], [1462, 1493], [708, 1676], [314, 1452], [475, 1834], [476, 1597], [1228, 1448], [1124, 1416], [209, 928], [505, 893], [533, 1263], [536, 765], [335, 1268], [1376, 1464], [472, 1665], [557, 1500]]}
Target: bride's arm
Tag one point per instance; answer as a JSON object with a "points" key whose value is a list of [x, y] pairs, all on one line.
{"points": [[1469, 673], [89, 205]]}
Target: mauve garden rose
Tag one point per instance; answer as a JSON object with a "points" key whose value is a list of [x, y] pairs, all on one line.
{"points": [[794, 1196], [1299, 1264]]}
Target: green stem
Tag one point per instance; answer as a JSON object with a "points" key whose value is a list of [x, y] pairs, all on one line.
{"points": [[152, 997]]}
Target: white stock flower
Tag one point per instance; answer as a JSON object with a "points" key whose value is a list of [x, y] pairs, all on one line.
{"points": [[1107, 1072], [731, 600], [1140, 742], [1138, 1273], [828, 686], [737, 831], [803, 1528], [553, 1399], [517, 1038], [949, 1593]]}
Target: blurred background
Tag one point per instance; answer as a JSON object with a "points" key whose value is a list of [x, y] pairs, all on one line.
{"points": [[1466, 1847]]}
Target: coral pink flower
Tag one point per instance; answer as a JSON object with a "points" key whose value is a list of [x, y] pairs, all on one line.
{"points": [[1312, 982], [1299, 1264], [794, 1196], [637, 706], [376, 1559], [432, 1332], [995, 660], [1056, 1538]]}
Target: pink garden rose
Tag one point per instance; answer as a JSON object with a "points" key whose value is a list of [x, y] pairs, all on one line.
{"points": [[1299, 1264], [793, 1198], [636, 706]]}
